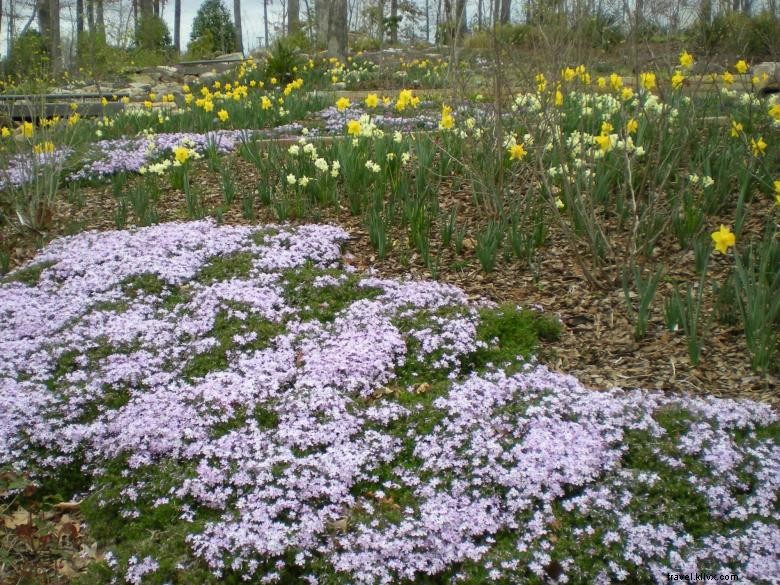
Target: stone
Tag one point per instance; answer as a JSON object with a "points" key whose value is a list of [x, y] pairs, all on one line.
{"points": [[208, 77], [768, 74], [231, 57]]}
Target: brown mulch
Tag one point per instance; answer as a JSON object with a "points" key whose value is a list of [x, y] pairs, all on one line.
{"points": [[597, 344]]}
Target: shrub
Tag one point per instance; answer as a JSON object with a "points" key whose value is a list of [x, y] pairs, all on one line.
{"points": [[29, 58], [282, 60], [152, 34]]}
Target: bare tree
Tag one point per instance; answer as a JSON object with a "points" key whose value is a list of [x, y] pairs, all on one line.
{"points": [[331, 17], [293, 17], [49, 23], [265, 23], [506, 9], [393, 22], [237, 22], [177, 25]]}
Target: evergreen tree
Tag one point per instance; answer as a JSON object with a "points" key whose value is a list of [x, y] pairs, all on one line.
{"points": [[212, 29]]}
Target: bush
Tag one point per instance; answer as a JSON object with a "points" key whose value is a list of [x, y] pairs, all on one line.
{"points": [[29, 58], [282, 60], [602, 30], [96, 57], [739, 34], [508, 34], [152, 34]]}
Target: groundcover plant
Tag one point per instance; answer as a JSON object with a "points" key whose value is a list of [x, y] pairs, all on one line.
{"points": [[237, 403]]}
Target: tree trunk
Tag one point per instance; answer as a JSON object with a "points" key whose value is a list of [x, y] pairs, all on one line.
{"points": [[393, 22], [380, 17], [322, 17], [91, 15], [506, 9], [293, 16], [147, 9], [337, 29], [99, 17], [265, 23], [237, 21], [177, 25], [49, 23], [79, 19], [156, 8]]}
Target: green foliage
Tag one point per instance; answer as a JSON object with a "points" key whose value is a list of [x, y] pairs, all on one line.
{"points": [[282, 60], [29, 58], [30, 275], [322, 302], [152, 34], [96, 57], [511, 332], [516, 35], [212, 30], [757, 286], [235, 321], [602, 30], [226, 268], [752, 37]]}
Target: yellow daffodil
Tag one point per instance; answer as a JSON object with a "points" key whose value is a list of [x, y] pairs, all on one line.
{"points": [[185, 88], [103, 102], [372, 100], [604, 142], [517, 152], [606, 127], [777, 192], [148, 105], [558, 97], [601, 82], [181, 154], [73, 119], [125, 100], [686, 60], [208, 106], [723, 239], [741, 67], [223, 115], [447, 121], [5, 132], [273, 81], [541, 82], [615, 81], [647, 80], [757, 146], [736, 129], [632, 126], [27, 129], [774, 112], [727, 78], [342, 104], [354, 128], [677, 80], [626, 93], [73, 106], [45, 147], [265, 103]]}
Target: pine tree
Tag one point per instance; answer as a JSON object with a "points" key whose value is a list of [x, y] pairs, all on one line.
{"points": [[213, 26]]}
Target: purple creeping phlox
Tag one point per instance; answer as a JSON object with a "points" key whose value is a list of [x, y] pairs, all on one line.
{"points": [[302, 453]]}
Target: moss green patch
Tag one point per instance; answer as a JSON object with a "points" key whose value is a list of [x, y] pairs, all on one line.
{"points": [[260, 236], [322, 302], [226, 326], [219, 268], [149, 284], [30, 275], [511, 334]]}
